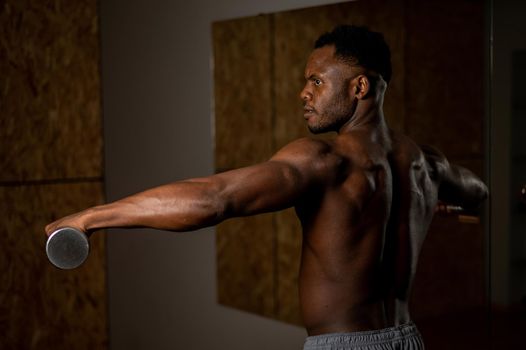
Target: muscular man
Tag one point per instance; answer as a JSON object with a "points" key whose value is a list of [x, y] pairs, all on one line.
{"points": [[365, 199]]}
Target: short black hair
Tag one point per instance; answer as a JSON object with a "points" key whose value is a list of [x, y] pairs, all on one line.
{"points": [[359, 46]]}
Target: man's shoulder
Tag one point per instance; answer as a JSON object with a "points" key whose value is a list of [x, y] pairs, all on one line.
{"points": [[405, 150], [311, 155], [306, 147]]}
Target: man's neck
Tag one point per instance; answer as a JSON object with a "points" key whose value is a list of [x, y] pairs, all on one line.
{"points": [[368, 115]]}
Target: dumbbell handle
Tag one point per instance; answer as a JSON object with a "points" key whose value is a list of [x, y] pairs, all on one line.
{"points": [[463, 215]]}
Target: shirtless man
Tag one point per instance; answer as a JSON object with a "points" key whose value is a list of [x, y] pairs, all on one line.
{"points": [[365, 199]]}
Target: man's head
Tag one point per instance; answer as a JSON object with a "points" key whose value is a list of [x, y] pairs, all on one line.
{"points": [[347, 65], [358, 46]]}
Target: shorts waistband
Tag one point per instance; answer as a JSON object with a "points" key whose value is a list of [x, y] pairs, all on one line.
{"points": [[364, 337]]}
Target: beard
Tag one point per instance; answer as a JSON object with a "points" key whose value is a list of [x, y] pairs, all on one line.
{"points": [[319, 128], [335, 114]]}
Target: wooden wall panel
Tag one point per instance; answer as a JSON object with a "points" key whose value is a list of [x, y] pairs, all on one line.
{"points": [[51, 165], [42, 307], [242, 92], [250, 127], [245, 264], [422, 38], [243, 106], [445, 75], [50, 125], [288, 251]]}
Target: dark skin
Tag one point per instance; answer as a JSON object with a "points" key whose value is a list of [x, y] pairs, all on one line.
{"points": [[365, 200]]}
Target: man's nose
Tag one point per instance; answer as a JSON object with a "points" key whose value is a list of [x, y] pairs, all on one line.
{"points": [[305, 94]]}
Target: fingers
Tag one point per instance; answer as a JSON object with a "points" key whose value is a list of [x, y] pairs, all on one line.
{"points": [[50, 228], [73, 221], [444, 208]]}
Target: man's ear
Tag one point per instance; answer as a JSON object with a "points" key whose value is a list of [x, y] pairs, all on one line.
{"points": [[362, 86]]}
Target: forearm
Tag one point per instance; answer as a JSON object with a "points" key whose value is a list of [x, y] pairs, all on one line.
{"points": [[180, 206]]}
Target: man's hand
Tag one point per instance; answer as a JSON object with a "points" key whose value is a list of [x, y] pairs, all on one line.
{"points": [[74, 220]]}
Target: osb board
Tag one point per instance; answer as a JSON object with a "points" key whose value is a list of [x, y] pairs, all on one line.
{"points": [[259, 72], [242, 92], [288, 250], [42, 307], [291, 42], [242, 106], [50, 124], [445, 75], [245, 264]]}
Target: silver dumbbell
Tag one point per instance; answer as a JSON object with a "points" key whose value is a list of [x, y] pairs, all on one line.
{"points": [[67, 248]]}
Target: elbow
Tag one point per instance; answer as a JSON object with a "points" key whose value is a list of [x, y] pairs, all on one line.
{"points": [[484, 193], [479, 195], [481, 192], [218, 212], [215, 206], [203, 208], [206, 213], [210, 210]]}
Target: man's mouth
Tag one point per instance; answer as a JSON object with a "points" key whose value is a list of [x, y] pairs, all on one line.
{"points": [[308, 111]]}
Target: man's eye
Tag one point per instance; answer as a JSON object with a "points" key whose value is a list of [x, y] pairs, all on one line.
{"points": [[317, 82]]}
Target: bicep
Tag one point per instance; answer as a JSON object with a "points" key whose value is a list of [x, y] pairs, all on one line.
{"points": [[269, 186], [297, 169]]}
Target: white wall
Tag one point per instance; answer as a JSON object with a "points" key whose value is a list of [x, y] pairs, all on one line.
{"points": [[157, 128]]}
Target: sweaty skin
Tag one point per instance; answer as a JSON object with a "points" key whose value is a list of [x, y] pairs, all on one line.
{"points": [[365, 200]]}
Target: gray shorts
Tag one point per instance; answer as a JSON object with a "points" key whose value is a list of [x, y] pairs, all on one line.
{"points": [[404, 337]]}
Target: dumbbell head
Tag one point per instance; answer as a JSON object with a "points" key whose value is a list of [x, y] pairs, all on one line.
{"points": [[67, 248]]}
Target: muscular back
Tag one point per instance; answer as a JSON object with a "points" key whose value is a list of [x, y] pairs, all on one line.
{"points": [[363, 232]]}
